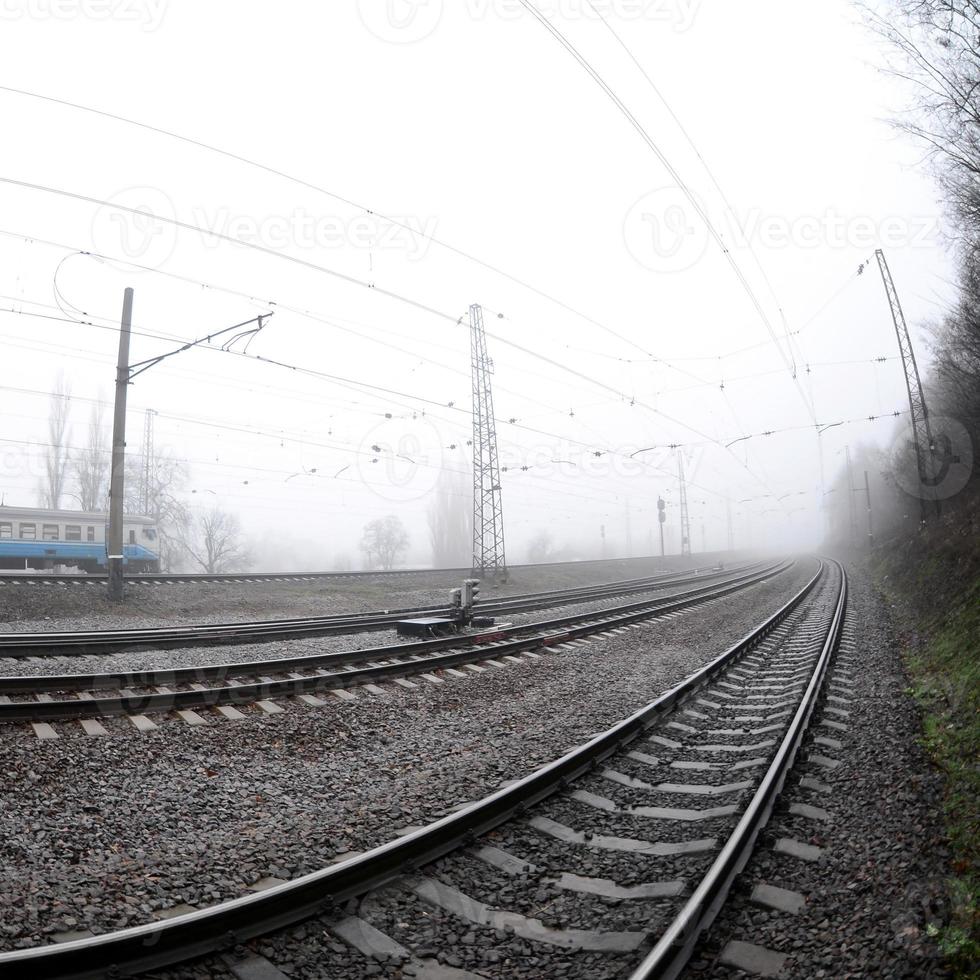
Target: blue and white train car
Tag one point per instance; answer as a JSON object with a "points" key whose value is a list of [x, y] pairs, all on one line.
{"points": [[33, 538]]}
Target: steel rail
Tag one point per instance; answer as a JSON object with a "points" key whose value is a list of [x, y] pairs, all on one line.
{"points": [[160, 944], [671, 953], [542, 634], [167, 578], [84, 642]]}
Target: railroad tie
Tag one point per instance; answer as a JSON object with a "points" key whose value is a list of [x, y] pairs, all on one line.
{"points": [[753, 959]]}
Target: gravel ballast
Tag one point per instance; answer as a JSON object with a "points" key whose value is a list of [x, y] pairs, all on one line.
{"points": [[196, 656], [878, 885], [85, 605], [101, 832], [283, 795]]}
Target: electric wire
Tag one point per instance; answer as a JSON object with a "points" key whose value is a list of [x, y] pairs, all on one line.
{"points": [[674, 173]]}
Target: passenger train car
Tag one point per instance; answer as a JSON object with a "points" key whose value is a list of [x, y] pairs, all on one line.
{"points": [[32, 538]]}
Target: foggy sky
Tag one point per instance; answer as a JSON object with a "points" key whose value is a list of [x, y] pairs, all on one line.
{"points": [[469, 122]]}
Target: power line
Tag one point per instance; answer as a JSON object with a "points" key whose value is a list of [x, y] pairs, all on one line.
{"points": [[674, 173], [341, 446], [644, 134], [190, 226], [446, 316], [335, 196], [354, 385], [593, 381], [589, 447], [697, 152]]}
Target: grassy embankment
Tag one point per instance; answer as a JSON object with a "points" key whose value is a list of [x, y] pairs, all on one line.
{"points": [[933, 580]]}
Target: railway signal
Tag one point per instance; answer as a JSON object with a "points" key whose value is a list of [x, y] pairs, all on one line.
{"points": [[461, 603], [471, 590]]}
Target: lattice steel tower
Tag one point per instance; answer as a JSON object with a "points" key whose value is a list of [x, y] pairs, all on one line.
{"points": [[685, 516], [488, 516], [146, 471], [918, 414]]}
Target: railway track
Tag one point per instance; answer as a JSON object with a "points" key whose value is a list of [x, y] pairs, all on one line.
{"points": [[192, 578], [85, 642], [609, 862], [229, 686]]}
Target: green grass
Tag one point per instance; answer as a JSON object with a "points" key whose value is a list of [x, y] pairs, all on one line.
{"points": [[942, 655]]}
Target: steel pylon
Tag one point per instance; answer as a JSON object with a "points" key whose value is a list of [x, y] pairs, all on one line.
{"points": [[146, 470], [922, 439], [685, 516], [488, 518]]}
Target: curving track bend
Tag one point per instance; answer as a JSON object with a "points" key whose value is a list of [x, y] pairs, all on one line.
{"points": [[229, 686], [609, 862]]}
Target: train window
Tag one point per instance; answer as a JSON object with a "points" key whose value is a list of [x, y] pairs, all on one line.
{"points": [[73, 532], [6, 529], [49, 532], [132, 536], [28, 532], [150, 533], [90, 533]]}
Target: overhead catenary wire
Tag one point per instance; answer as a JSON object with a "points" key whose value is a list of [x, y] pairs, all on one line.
{"points": [[240, 158], [445, 316], [708, 441], [697, 152], [424, 307], [677, 177], [320, 318], [689, 194], [620, 395], [251, 469]]}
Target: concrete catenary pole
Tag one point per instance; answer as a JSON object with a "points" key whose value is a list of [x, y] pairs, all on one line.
{"points": [[114, 544], [851, 503], [867, 497]]}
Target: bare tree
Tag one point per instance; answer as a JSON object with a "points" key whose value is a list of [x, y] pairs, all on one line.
{"points": [[168, 476], [90, 466], [450, 522], [384, 540], [541, 548], [52, 487], [935, 47], [214, 542]]}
